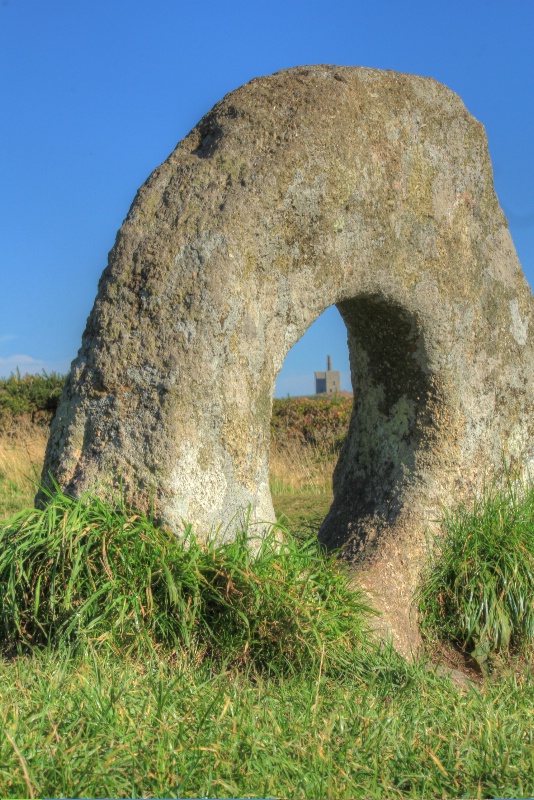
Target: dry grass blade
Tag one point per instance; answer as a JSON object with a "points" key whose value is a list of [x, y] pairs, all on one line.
{"points": [[23, 764]]}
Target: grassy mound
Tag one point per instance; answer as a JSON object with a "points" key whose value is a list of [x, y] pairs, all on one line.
{"points": [[86, 569], [479, 589]]}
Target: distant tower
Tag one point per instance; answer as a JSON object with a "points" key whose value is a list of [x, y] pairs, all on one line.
{"points": [[327, 382]]}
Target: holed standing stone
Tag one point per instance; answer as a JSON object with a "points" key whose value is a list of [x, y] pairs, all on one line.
{"points": [[314, 186]]}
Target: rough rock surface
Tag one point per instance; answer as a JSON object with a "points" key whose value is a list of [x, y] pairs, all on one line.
{"points": [[319, 185]]}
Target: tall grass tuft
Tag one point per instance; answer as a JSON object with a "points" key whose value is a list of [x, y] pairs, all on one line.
{"points": [[84, 569], [479, 589]]}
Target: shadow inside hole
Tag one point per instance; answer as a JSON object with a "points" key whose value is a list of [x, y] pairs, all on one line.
{"points": [[391, 421]]}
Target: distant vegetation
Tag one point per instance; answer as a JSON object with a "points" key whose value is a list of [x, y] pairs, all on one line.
{"points": [[319, 422], [306, 438], [31, 397]]}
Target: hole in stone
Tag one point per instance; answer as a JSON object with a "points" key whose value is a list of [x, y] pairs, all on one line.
{"points": [[391, 428], [308, 429]]}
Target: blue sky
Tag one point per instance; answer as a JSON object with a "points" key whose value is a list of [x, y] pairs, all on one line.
{"points": [[96, 93]]}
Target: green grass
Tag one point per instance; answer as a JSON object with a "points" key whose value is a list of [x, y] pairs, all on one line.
{"points": [[136, 664], [85, 569], [479, 588], [12, 496], [102, 725], [302, 512]]}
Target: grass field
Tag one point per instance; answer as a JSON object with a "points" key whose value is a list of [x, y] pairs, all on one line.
{"points": [[101, 725], [264, 684], [21, 459], [301, 484]]}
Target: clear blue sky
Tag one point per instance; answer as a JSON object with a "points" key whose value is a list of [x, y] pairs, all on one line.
{"points": [[96, 93]]}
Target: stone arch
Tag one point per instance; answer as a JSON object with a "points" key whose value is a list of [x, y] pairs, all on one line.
{"points": [[320, 185]]}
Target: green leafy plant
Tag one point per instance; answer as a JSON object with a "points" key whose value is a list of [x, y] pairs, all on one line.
{"points": [[479, 589]]}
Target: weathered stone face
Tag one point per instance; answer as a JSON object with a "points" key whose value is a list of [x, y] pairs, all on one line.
{"points": [[319, 185]]}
